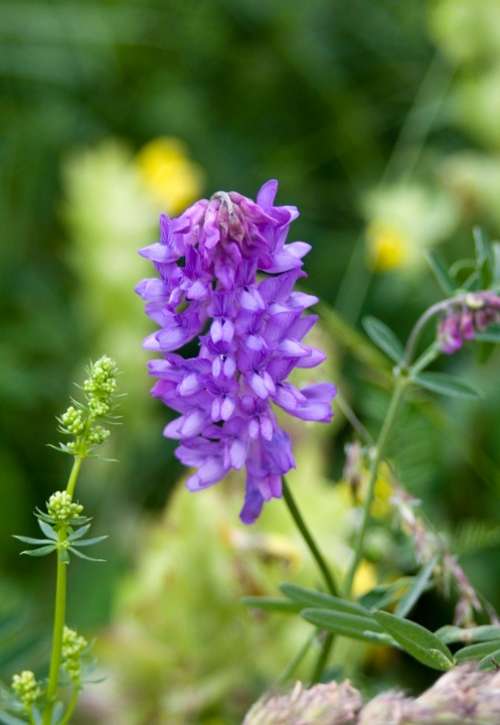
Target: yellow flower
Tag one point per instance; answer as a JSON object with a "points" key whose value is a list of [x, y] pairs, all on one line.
{"points": [[171, 178], [403, 221], [364, 580], [387, 246]]}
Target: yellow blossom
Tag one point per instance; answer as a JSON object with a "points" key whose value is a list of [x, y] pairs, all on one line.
{"points": [[172, 179], [387, 245], [364, 580]]}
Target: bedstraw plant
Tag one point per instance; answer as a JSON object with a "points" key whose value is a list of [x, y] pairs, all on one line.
{"points": [[65, 525]]}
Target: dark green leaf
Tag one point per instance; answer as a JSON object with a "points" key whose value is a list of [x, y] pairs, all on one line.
{"points": [[407, 602], [382, 595], [348, 625], [89, 542], [421, 644], [443, 278], [84, 556], [271, 604], [313, 598], [42, 551], [445, 385], [477, 651], [383, 337], [491, 661], [47, 530]]}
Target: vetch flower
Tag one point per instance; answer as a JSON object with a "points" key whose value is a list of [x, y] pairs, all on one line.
{"points": [[226, 276], [463, 321]]}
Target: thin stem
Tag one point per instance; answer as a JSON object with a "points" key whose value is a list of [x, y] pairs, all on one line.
{"points": [[377, 458], [308, 538], [425, 359], [353, 419], [295, 662], [71, 706], [60, 604], [323, 657], [59, 619], [421, 323], [73, 476]]}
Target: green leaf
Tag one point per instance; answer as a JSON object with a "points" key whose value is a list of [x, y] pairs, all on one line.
{"points": [[382, 595], [313, 598], [491, 661], [29, 540], [484, 258], [84, 556], [492, 334], [47, 530], [79, 532], [438, 268], [445, 385], [383, 337], [421, 644], [89, 542], [57, 713], [348, 625], [271, 604], [7, 719], [42, 551], [407, 602], [483, 633], [477, 651]]}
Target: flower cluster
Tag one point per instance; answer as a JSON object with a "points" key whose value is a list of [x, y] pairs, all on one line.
{"points": [[61, 508], [26, 687], [250, 331], [80, 421], [73, 647], [463, 321]]}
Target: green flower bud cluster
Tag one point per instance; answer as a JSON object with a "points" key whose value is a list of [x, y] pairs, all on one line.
{"points": [[73, 647], [61, 508], [98, 435], [80, 419], [101, 382], [26, 688], [73, 420]]}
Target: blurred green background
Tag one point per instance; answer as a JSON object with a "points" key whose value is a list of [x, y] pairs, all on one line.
{"points": [[380, 120]]}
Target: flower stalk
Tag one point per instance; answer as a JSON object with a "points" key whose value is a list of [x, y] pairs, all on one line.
{"points": [[60, 601], [378, 455]]}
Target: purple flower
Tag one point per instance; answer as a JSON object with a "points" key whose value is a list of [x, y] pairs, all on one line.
{"points": [[462, 321], [251, 329]]}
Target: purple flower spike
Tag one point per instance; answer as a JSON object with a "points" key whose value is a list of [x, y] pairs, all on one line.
{"points": [[251, 334], [462, 321]]}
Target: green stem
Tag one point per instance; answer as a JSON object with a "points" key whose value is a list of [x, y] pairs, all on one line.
{"points": [[71, 706], [295, 662], [73, 476], [425, 359], [322, 565], [377, 458], [60, 604], [59, 619], [323, 657], [308, 538]]}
